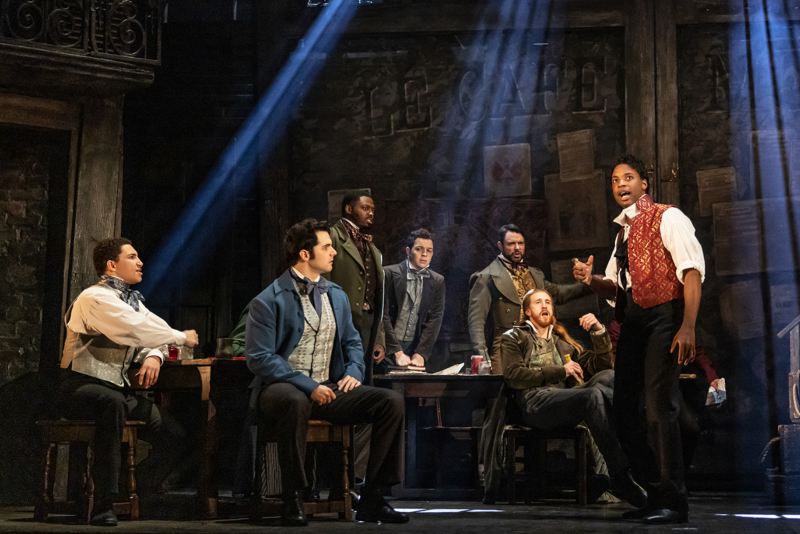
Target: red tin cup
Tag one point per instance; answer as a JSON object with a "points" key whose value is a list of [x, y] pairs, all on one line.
{"points": [[476, 363]]}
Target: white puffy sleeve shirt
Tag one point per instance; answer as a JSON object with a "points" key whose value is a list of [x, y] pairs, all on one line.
{"points": [[99, 310], [677, 233]]}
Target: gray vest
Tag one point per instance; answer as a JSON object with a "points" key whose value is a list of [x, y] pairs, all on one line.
{"points": [[97, 356], [312, 356]]}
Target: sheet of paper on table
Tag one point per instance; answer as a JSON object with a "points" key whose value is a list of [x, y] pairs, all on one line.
{"points": [[716, 396], [454, 370]]}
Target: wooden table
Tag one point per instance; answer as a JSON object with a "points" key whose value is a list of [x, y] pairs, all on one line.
{"points": [[425, 386], [209, 376]]}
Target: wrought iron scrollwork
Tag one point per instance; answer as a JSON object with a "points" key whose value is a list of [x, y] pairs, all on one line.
{"points": [[115, 29], [24, 19], [66, 23]]}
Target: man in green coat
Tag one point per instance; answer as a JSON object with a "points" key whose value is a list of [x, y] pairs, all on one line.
{"points": [[358, 269]]}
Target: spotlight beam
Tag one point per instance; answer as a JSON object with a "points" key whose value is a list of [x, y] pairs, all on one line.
{"points": [[261, 131]]}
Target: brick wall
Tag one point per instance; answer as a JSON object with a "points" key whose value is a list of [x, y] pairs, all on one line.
{"points": [[27, 160]]}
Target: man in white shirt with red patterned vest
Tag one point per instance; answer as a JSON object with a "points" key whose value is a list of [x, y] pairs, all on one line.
{"points": [[654, 280], [108, 328]]}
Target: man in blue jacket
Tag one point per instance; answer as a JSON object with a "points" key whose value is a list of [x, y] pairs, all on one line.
{"points": [[309, 364]]}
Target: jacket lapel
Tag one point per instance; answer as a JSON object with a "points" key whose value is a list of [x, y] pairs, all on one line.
{"points": [[349, 246], [400, 286], [503, 282]]}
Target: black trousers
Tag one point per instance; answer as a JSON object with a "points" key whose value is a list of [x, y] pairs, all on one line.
{"points": [[82, 397], [645, 369], [286, 410], [589, 403]]}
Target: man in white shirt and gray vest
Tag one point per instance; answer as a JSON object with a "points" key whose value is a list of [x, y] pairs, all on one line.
{"points": [[108, 328], [309, 363]]}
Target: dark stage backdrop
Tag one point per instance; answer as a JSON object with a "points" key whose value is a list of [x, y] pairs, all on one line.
{"points": [[410, 117], [465, 242]]}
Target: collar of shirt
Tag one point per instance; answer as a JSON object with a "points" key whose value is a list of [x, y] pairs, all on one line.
{"points": [[351, 223], [628, 213], [410, 267], [302, 276], [536, 332]]}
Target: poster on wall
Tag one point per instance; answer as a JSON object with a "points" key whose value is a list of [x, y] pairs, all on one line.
{"points": [[576, 212], [741, 309], [783, 298], [741, 247], [575, 155], [772, 152], [576, 308], [507, 170], [335, 198], [715, 186]]}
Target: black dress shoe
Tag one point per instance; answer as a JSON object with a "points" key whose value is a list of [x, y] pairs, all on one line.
{"points": [[666, 516], [639, 513], [106, 518], [293, 513], [625, 487], [377, 510]]}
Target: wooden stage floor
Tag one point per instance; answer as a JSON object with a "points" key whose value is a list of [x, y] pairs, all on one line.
{"points": [[736, 513]]}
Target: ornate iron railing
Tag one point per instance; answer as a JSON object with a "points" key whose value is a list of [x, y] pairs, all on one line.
{"points": [[127, 30]]}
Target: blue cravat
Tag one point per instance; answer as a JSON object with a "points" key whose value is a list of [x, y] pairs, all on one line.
{"points": [[314, 290], [129, 296]]}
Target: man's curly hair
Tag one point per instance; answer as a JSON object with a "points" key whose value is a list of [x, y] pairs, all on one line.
{"points": [[302, 236], [107, 250], [634, 163]]}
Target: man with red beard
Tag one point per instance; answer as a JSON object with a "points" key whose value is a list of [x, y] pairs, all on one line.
{"points": [[543, 364], [654, 280], [495, 294]]}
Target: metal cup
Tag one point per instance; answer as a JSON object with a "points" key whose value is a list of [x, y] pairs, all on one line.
{"points": [[224, 348]]}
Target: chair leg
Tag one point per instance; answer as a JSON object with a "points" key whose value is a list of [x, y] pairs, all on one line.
{"points": [[580, 455], [88, 486], [45, 497], [511, 463], [348, 503], [133, 496]]}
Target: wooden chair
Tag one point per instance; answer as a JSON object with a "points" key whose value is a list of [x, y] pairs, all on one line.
{"points": [[535, 441], [55, 432], [339, 500]]}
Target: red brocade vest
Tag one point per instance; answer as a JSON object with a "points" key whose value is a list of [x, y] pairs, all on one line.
{"points": [[653, 277]]}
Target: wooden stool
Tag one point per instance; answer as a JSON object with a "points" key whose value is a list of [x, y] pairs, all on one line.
{"points": [[339, 500], [55, 432], [535, 439]]}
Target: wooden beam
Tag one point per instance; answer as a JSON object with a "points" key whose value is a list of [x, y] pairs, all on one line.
{"points": [[40, 112], [640, 71], [99, 187], [273, 45], [667, 176], [733, 11], [43, 71], [445, 17]]}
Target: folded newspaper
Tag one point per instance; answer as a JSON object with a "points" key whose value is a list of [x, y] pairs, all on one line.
{"points": [[716, 396]]}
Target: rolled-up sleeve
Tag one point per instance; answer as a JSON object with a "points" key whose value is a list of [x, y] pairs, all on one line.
{"points": [[678, 235]]}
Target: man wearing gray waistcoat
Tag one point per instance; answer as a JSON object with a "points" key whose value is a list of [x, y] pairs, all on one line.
{"points": [[414, 304], [107, 327]]}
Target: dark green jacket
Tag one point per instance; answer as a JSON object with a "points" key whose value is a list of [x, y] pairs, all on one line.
{"points": [[348, 271]]}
